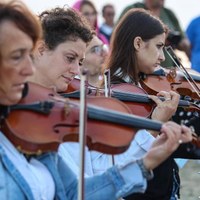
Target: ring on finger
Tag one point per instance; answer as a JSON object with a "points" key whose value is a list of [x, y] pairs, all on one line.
{"points": [[180, 141]]}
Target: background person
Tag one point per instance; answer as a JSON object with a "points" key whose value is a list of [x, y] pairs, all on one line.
{"points": [[88, 9], [108, 13], [193, 35], [95, 56]]}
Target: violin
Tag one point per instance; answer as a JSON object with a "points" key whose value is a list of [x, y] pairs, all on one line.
{"points": [[183, 82], [43, 119], [133, 96], [168, 80]]}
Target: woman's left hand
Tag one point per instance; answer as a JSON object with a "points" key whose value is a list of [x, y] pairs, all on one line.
{"points": [[165, 109]]}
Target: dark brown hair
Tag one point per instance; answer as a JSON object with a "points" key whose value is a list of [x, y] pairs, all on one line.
{"points": [[106, 6], [62, 24], [122, 61]]}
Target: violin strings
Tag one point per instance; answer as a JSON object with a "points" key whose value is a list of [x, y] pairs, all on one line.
{"points": [[183, 70]]}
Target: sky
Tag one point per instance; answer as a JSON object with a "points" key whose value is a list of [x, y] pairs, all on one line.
{"points": [[185, 10]]}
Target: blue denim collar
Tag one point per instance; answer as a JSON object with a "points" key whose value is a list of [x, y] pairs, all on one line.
{"points": [[16, 175]]}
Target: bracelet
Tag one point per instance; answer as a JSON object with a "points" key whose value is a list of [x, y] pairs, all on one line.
{"points": [[148, 174]]}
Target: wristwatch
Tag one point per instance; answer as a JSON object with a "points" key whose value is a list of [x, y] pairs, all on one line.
{"points": [[148, 174]]}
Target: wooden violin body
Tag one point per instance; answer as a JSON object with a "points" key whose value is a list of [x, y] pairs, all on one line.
{"points": [[133, 96], [43, 120], [168, 80]]}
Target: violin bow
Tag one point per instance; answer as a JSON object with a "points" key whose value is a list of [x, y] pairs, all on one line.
{"points": [[107, 87], [179, 65], [82, 130]]}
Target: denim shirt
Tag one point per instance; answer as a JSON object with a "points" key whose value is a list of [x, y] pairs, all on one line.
{"points": [[112, 184]]}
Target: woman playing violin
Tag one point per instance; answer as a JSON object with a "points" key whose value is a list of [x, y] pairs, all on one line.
{"points": [[47, 176], [16, 63], [140, 50]]}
